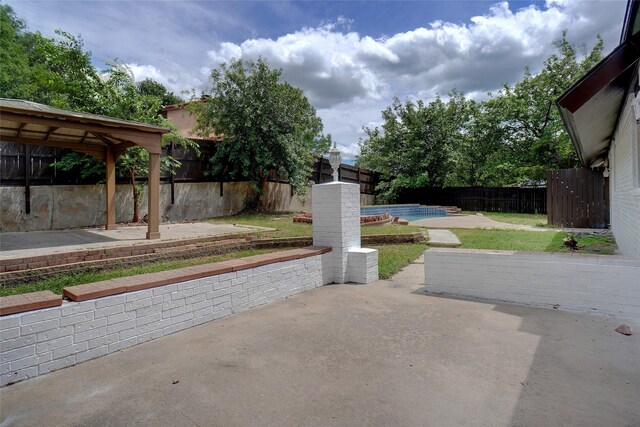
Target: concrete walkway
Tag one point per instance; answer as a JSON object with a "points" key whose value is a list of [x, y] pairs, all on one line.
{"points": [[443, 238], [470, 221], [33, 243], [382, 354]]}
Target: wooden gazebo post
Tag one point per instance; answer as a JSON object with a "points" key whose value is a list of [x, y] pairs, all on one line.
{"points": [[153, 211], [110, 189]]}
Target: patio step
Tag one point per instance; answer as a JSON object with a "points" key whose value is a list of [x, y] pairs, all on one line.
{"points": [[452, 210]]}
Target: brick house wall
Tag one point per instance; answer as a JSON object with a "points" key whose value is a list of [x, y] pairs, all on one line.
{"points": [[624, 180]]}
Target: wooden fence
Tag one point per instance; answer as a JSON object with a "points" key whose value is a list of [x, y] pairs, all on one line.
{"points": [[367, 179], [577, 198], [489, 199]]}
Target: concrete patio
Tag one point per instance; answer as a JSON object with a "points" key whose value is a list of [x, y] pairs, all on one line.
{"points": [[382, 354], [33, 243]]}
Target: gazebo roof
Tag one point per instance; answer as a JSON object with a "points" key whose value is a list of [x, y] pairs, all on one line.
{"points": [[32, 123]]}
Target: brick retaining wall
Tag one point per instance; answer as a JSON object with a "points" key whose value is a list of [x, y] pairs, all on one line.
{"points": [[605, 284], [41, 341], [166, 251]]}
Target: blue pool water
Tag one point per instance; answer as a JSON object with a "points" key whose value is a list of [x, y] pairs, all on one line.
{"points": [[408, 212]]}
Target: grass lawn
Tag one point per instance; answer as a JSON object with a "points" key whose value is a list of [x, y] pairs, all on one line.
{"points": [[393, 258], [536, 241], [285, 227], [534, 220]]}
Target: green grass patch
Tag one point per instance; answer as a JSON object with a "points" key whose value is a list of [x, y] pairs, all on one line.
{"points": [[285, 227], [56, 283], [393, 258], [533, 241], [533, 220]]}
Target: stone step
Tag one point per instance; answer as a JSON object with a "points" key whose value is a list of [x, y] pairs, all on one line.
{"points": [[443, 238]]}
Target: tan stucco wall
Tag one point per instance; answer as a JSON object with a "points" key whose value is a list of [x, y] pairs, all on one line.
{"points": [[183, 120]]}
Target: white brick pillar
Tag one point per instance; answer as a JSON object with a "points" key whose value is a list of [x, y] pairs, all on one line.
{"points": [[336, 223]]}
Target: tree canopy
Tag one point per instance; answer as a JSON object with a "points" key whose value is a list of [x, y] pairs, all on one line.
{"points": [[414, 145], [58, 71], [263, 124], [512, 138]]}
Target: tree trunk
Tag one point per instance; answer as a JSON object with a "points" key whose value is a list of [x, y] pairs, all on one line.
{"points": [[263, 190], [136, 196]]}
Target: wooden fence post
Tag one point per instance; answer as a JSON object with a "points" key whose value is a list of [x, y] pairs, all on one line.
{"points": [[27, 178]]}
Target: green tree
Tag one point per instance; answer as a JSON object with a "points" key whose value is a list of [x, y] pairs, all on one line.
{"points": [[58, 72], [512, 138], [151, 87], [121, 98], [54, 71], [534, 137], [413, 147], [264, 125]]}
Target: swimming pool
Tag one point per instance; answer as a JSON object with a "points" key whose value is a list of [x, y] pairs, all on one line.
{"points": [[408, 212]]}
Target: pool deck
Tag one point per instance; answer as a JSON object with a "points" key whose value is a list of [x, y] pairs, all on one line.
{"points": [[471, 221]]}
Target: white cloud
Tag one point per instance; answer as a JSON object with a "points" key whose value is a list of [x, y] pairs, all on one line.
{"points": [[349, 77], [335, 67], [175, 79]]}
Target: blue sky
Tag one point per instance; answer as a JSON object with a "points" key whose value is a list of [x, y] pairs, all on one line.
{"points": [[350, 57]]}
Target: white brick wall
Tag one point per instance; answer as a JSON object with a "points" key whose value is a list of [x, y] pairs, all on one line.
{"points": [[336, 223], [38, 342], [624, 192], [362, 265], [586, 283]]}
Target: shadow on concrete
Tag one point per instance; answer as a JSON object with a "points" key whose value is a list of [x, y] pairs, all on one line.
{"points": [[49, 239], [603, 367], [581, 373]]}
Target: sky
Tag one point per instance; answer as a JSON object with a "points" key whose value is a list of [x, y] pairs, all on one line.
{"points": [[351, 58]]}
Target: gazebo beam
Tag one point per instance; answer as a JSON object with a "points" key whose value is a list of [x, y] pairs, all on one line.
{"points": [[148, 140], [94, 150]]}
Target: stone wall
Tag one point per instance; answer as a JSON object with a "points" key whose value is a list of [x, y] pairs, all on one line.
{"points": [[37, 342], [73, 206], [605, 284]]}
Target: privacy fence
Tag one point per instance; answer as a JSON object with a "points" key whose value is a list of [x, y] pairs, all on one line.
{"points": [[24, 165], [578, 198], [489, 199]]}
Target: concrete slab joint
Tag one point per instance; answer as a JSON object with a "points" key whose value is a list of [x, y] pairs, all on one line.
{"points": [[336, 223]]}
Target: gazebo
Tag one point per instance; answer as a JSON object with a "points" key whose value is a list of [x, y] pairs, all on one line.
{"points": [[102, 137]]}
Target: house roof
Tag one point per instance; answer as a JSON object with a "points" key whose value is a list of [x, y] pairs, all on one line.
{"points": [[591, 107], [32, 123]]}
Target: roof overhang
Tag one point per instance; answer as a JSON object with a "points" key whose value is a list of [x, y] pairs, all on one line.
{"points": [[590, 109], [32, 123]]}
